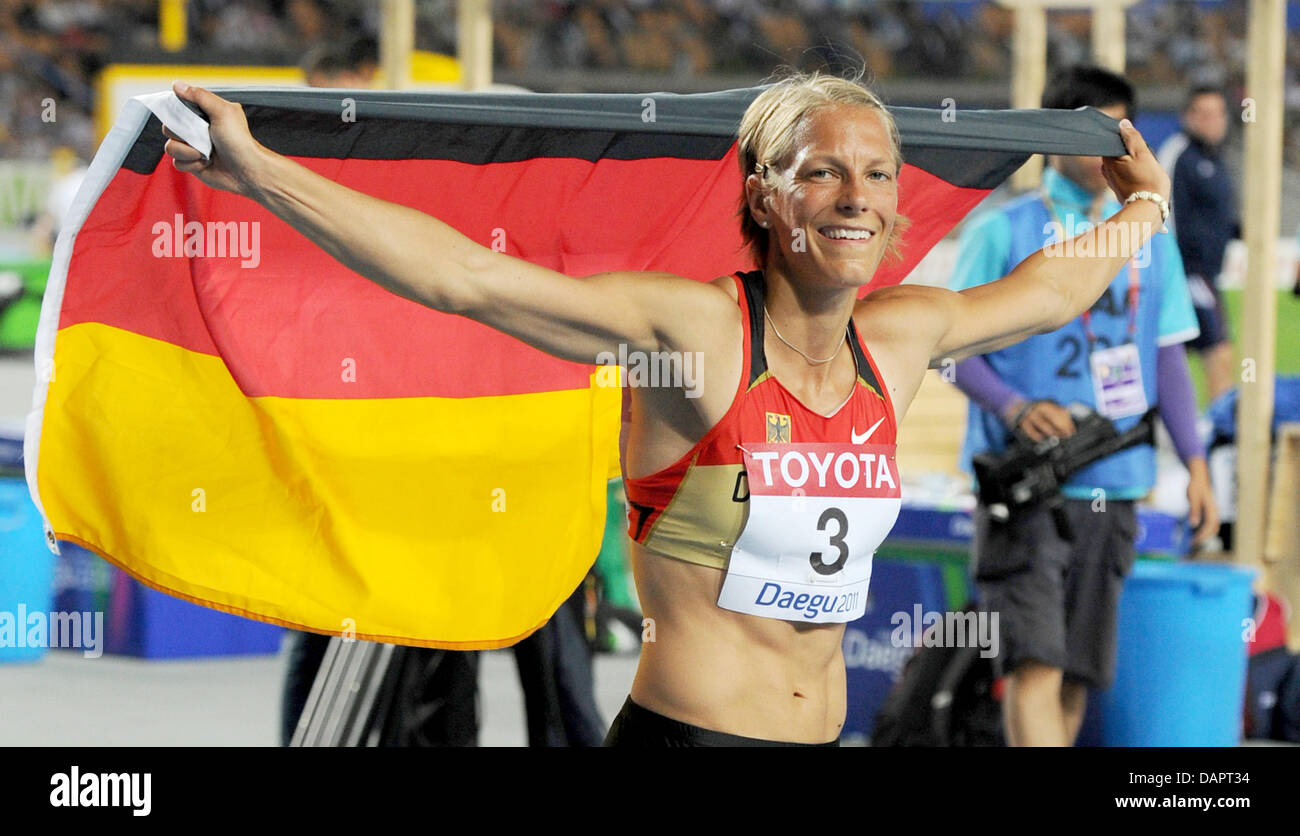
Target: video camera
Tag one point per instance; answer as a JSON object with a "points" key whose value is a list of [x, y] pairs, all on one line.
{"points": [[1031, 472]]}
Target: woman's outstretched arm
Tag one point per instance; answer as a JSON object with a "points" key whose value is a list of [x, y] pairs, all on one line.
{"points": [[1042, 293]]}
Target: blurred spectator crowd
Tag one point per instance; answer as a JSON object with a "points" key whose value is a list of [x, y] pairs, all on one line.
{"points": [[1168, 40], [51, 50]]}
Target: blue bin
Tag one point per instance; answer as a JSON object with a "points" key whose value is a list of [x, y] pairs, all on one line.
{"points": [[1180, 673], [26, 570]]}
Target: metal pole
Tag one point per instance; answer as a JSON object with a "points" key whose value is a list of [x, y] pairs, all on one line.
{"points": [[173, 30], [1028, 77], [396, 41], [1261, 112], [474, 43], [1108, 34]]}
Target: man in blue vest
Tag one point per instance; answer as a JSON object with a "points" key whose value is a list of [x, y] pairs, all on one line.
{"points": [[1058, 598]]}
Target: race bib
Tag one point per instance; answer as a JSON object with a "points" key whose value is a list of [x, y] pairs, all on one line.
{"points": [[1117, 381], [817, 513]]}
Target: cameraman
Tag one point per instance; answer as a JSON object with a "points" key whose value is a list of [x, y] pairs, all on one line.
{"points": [[1057, 598]]}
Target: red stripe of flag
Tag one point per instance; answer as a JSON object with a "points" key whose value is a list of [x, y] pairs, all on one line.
{"points": [[287, 326]]}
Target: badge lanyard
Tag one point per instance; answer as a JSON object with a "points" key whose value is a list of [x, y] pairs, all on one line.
{"points": [[1134, 285]]}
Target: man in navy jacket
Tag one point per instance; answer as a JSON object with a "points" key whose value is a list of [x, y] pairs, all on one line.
{"points": [[1205, 219]]}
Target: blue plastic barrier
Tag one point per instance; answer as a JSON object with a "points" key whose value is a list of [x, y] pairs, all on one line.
{"points": [[26, 570], [1159, 534], [139, 621], [157, 626], [873, 660], [1180, 672]]}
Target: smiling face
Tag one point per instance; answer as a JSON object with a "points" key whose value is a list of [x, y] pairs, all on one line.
{"points": [[834, 202]]}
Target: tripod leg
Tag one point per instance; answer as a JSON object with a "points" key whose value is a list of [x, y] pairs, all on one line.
{"points": [[323, 685], [376, 695], [340, 706]]}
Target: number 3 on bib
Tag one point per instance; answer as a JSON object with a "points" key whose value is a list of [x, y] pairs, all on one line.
{"points": [[837, 540], [817, 513]]}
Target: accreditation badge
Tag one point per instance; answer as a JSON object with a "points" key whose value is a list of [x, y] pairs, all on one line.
{"points": [[817, 512], [1117, 381]]}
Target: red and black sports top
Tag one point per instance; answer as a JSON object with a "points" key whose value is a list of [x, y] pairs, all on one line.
{"points": [[695, 508]]}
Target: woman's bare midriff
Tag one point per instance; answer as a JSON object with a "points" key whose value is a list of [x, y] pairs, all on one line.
{"points": [[730, 672]]}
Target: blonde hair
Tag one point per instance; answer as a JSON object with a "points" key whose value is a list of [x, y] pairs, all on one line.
{"points": [[767, 140]]}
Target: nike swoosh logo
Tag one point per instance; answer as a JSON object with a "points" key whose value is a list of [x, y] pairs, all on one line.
{"points": [[861, 439]]}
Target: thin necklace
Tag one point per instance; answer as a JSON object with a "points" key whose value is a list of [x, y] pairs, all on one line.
{"points": [[812, 360]]}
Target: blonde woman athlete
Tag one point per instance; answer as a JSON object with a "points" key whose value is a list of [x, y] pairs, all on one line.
{"points": [[756, 506]]}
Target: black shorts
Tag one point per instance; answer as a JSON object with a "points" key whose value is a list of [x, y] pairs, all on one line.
{"points": [[638, 727], [1210, 316], [1057, 601]]}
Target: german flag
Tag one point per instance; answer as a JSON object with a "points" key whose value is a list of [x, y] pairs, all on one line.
{"points": [[235, 418]]}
